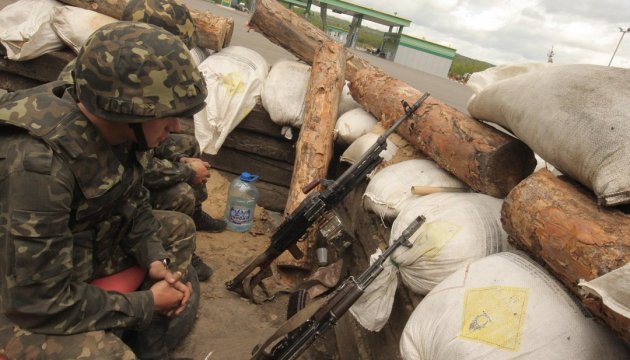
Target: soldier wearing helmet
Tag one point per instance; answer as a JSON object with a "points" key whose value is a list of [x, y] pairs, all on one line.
{"points": [[73, 207], [175, 174]]}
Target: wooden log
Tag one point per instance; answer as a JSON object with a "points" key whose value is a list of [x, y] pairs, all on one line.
{"points": [[213, 30], [314, 147], [481, 156], [486, 159], [44, 68], [560, 225], [288, 30], [113, 8]]}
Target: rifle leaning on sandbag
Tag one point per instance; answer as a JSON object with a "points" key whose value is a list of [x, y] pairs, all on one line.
{"points": [[299, 332], [311, 209]]}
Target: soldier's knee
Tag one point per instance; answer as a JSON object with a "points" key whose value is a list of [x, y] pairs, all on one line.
{"points": [[176, 224]]}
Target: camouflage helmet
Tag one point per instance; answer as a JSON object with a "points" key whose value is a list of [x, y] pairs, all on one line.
{"points": [[134, 72], [171, 15]]}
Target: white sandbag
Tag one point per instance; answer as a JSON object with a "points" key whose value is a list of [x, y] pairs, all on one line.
{"points": [[613, 289], [460, 228], [355, 151], [352, 125], [574, 116], [284, 92], [346, 102], [234, 78], [74, 25], [482, 79], [501, 307], [391, 186], [26, 31]]}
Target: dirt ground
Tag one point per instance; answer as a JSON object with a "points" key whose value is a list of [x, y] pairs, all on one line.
{"points": [[228, 326]]}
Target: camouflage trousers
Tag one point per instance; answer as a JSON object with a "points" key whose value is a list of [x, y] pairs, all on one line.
{"points": [[181, 197], [178, 233]]}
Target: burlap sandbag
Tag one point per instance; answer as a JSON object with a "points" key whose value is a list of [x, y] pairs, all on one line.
{"points": [[576, 117]]}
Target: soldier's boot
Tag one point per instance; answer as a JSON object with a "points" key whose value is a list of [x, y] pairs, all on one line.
{"points": [[150, 343], [205, 222], [202, 269]]}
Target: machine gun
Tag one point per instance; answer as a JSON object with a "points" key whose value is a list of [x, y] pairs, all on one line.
{"points": [[310, 210], [299, 338]]}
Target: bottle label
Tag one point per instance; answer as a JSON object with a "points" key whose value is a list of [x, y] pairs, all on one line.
{"points": [[240, 215]]}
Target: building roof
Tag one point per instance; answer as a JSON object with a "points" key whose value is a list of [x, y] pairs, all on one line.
{"points": [[427, 46], [348, 8]]}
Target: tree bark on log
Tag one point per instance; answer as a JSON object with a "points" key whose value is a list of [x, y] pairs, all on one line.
{"points": [[213, 30], [560, 224], [314, 147], [484, 158]]}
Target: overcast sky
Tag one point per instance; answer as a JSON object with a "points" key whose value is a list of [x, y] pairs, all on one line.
{"points": [[512, 31]]}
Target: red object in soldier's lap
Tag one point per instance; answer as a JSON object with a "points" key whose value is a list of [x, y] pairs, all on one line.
{"points": [[125, 281]]}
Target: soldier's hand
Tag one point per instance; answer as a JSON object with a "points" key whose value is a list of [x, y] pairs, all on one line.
{"points": [[187, 290], [166, 298], [200, 168]]}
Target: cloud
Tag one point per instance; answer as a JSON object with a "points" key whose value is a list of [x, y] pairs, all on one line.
{"points": [[516, 31]]}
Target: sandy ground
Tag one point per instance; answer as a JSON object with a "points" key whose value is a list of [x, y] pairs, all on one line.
{"points": [[227, 326]]}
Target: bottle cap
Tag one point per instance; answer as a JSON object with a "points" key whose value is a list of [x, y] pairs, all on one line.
{"points": [[247, 177]]}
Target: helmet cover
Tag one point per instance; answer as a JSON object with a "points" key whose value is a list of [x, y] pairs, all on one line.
{"points": [[134, 72]]}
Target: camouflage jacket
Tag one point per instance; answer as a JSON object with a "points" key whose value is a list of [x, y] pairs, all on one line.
{"points": [[70, 210], [164, 168]]}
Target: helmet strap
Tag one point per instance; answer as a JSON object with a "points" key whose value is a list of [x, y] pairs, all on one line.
{"points": [[140, 139]]}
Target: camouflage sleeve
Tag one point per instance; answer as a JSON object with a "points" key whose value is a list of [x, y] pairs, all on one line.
{"points": [[142, 241], [39, 291], [161, 173]]}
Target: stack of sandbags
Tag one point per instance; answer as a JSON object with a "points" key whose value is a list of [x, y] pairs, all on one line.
{"points": [[459, 229], [504, 306], [390, 187]]}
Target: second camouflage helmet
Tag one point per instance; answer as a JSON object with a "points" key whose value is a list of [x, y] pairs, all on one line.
{"points": [[171, 15], [134, 72]]}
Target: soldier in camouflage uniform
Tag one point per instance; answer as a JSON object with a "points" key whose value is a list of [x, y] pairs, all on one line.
{"points": [[175, 175], [73, 207]]}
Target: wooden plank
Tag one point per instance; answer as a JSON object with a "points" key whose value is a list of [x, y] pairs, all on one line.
{"points": [[11, 82], [271, 197], [254, 143], [236, 161], [259, 121], [44, 69]]}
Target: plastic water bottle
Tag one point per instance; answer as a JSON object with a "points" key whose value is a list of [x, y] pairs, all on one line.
{"points": [[241, 203]]}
